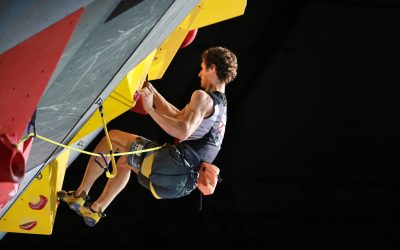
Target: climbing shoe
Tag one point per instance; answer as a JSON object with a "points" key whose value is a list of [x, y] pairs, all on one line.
{"points": [[74, 202], [90, 216]]}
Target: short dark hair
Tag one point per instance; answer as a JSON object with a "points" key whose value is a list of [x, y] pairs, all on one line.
{"points": [[224, 60]]}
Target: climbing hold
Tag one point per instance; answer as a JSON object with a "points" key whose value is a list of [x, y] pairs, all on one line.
{"points": [[191, 35]]}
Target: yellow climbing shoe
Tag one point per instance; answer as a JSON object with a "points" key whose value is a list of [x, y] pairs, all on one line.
{"points": [[74, 202], [90, 216]]}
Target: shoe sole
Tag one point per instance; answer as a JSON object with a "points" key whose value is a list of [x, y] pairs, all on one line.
{"points": [[89, 221], [73, 206]]}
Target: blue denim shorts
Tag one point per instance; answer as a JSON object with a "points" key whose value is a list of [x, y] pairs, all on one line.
{"points": [[136, 160]]}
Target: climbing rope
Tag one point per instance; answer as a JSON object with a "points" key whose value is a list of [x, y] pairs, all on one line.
{"points": [[103, 156], [83, 151]]}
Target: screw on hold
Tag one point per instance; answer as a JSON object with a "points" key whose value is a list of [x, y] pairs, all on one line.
{"points": [[39, 176], [99, 101]]}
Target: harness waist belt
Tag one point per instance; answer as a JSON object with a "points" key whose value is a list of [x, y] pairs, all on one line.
{"points": [[189, 154]]}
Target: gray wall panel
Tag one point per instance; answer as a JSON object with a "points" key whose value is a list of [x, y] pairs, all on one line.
{"points": [[20, 19], [95, 62], [89, 71]]}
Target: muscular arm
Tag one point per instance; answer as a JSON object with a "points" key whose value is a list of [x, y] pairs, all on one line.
{"points": [[186, 121], [162, 105]]}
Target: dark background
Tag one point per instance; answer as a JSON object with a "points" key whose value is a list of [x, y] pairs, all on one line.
{"points": [[310, 155]]}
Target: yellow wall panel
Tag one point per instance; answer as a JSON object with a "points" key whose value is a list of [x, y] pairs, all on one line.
{"points": [[214, 11], [35, 210], [205, 13], [167, 50]]}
